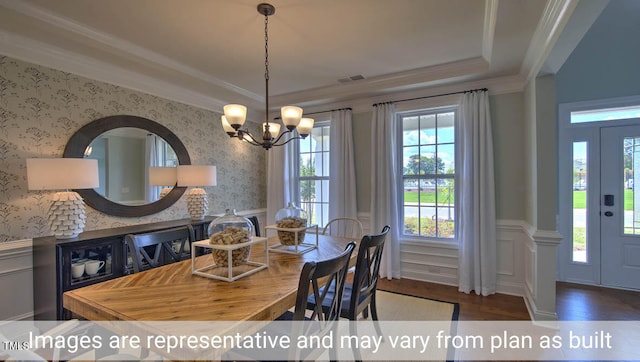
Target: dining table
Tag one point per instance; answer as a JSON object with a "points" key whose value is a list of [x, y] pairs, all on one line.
{"points": [[172, 293]]}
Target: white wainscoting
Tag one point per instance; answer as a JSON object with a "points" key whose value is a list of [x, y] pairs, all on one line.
{"points": [[430, 262], [511, 241], [438, 262], [16, 280]]}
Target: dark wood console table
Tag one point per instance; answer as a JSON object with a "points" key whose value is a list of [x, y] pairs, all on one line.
{"points": [[52, 260]]}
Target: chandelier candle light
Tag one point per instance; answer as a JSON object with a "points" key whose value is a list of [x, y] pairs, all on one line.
{"points": [[199, 176], [66, 214], [236, 114]]}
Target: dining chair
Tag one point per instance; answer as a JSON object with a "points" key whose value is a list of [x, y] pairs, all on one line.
{"points": [[325, 281], [344, 227], [360, 295], [151, 250], [256, 224]]}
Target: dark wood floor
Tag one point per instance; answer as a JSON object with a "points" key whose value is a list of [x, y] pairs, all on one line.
{"points": [[573, 301]]}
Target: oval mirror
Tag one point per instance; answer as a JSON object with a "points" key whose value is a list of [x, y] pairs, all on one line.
{"points": [[125, 187]]}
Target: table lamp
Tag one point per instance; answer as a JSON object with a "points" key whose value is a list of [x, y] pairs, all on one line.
{"points": [[163, 176], [67, 212], [198, 176]]}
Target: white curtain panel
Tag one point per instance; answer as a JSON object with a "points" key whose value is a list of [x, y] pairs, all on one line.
{"points": [[280, 179], [342, 183], [384, 196], [152, 160], [477, 226]]}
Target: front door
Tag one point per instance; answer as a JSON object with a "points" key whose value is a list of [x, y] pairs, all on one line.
{"points": [[620, 206], [599, 208]]}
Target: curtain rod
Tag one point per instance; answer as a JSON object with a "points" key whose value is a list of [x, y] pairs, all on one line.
{"points": [[436, 95], [331, 110], [318, 112]]}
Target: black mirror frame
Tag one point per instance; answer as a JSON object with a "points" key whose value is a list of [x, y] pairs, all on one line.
{"points": [[84, 136]]}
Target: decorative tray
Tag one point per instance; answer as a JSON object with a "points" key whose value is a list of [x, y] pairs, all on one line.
{"points": [[297, 237], [229, 272]]}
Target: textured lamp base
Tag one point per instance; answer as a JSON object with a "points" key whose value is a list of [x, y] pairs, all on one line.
{"points": [[66, 215], [165, 191], [197, 203]]}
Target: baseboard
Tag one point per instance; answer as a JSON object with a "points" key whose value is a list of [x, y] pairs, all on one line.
{"points": [[430, 277], [21, 317], [515, 289], [537, 315]]}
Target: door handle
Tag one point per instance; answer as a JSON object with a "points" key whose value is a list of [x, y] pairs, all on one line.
{"points": [[608, 214]]}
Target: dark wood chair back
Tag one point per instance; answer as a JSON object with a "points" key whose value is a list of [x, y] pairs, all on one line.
{"points": [[333, 274], [158, 248], [325, 280], [365, 280], [256, 224]]}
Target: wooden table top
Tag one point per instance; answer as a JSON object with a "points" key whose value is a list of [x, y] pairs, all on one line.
{"points": [[172, 293]]}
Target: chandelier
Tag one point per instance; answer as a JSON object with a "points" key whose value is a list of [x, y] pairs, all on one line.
{"points": [[236, 114]]}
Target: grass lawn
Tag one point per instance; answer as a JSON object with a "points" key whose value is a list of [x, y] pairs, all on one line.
{"points": [[579, 238], [580, 202], [429, 197]]}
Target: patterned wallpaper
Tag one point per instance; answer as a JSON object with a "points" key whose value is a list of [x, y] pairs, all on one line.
{"points": [[40, 108]]}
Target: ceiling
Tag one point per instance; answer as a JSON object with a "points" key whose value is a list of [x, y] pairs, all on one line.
{"points": [[211, 52]]}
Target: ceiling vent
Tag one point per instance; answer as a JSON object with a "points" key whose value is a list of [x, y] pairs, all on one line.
{"points": [[351, 78]]}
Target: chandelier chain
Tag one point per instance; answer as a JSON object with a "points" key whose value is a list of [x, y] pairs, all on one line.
{"points": [[266, 47], [266, 73]]}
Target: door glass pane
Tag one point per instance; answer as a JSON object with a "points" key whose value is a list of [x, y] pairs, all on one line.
{"points": [[606, 114], [579, 239], [631, 154]]}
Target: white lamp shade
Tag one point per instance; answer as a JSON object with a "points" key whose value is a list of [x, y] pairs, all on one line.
{"points": [[274, 128], [291, 115], [62, 173], [196, 175], [305, 126], [236, 114], [163, 176], [226, 126]]}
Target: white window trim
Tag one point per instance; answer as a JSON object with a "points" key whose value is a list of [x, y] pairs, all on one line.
{"points": [[431, 104]]}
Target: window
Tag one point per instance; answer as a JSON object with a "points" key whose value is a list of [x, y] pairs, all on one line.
{"points": [[313, 174], [606, 114], [580, 177], [428, 169]]}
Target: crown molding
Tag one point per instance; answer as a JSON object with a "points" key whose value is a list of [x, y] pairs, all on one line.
{"points": [[555, 16], [496, 86], [32, 51], [43, 54], [395, 82], [489, 29], [124, 46]]}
